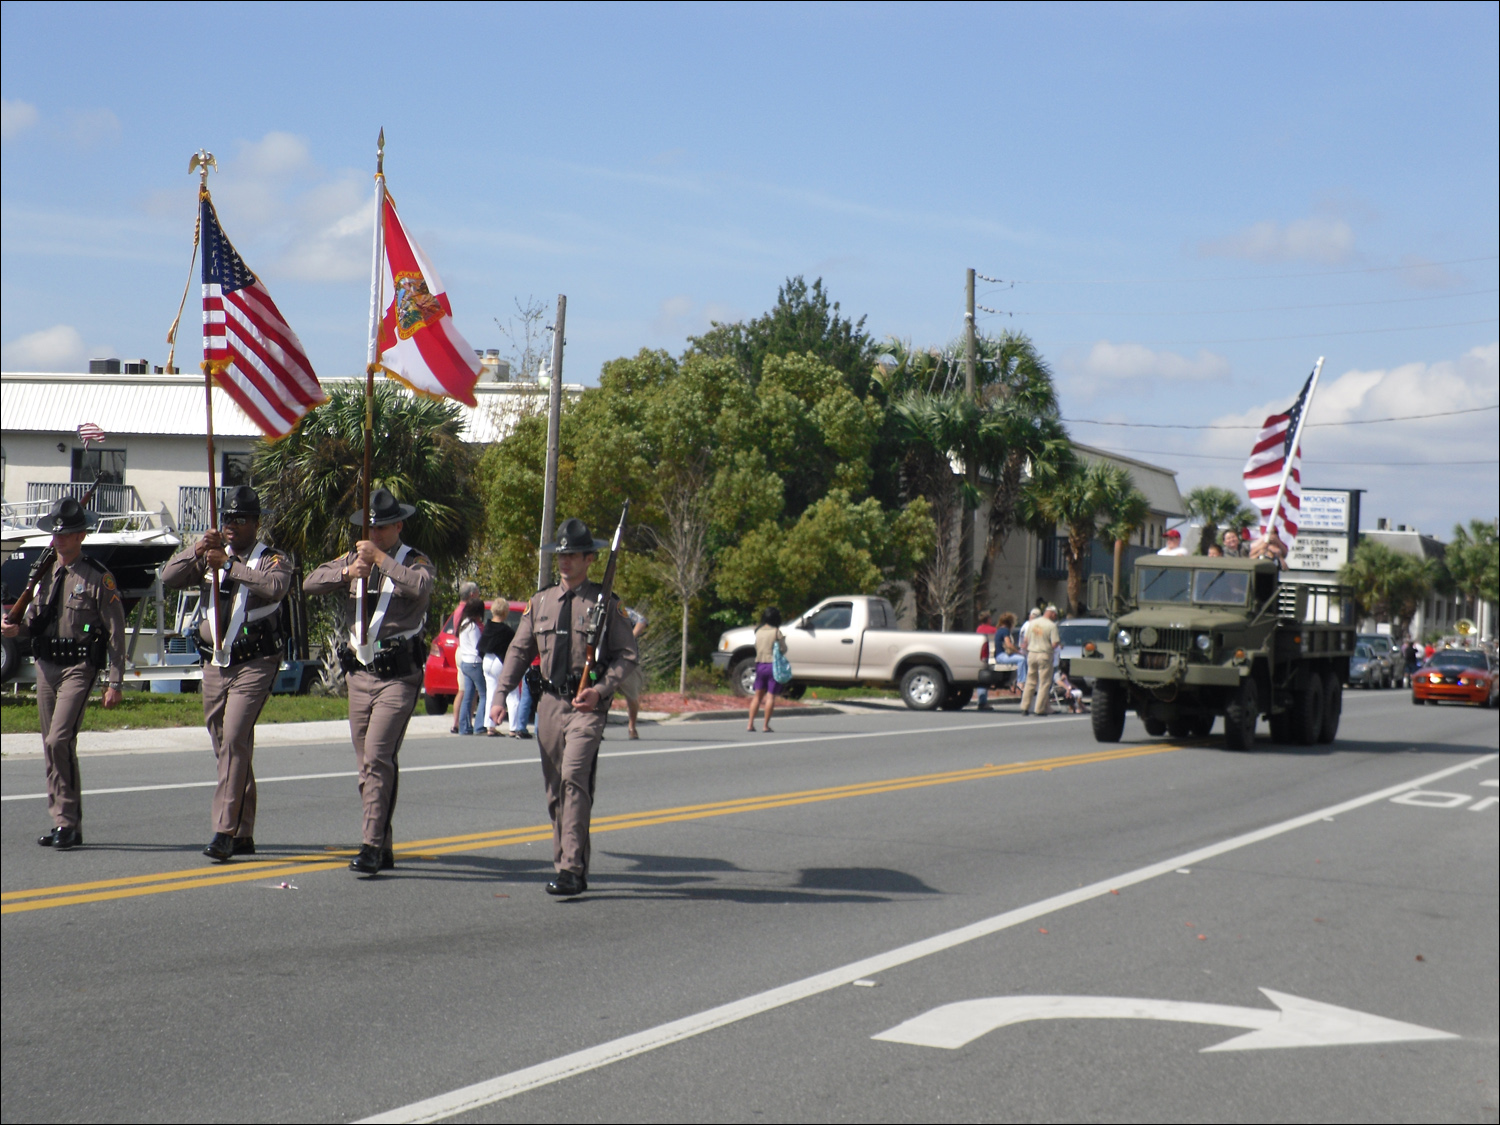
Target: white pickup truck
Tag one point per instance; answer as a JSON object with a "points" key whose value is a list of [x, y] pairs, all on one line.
{"points": [[854, 639]]}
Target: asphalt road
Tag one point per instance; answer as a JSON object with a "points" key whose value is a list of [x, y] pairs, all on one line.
{"points": [[761, 908]]}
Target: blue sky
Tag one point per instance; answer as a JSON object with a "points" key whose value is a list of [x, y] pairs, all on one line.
{"points": [[1194, 201]]}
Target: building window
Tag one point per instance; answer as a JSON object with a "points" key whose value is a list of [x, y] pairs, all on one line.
{"points": [[88, 463], [234, 469]]}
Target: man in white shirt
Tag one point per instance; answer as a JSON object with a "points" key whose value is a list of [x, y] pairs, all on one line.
{"points": [[1174, 544]]}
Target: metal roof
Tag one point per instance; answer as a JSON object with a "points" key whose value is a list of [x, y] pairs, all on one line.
{"points": [[45, 402], [1159, 485]]}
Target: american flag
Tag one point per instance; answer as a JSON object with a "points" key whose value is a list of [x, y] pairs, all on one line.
{"points": [[1269, 461], [89, 432], [252, 351]]}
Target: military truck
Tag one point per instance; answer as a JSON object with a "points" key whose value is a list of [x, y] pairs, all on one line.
{"points": [[1202, 637]]}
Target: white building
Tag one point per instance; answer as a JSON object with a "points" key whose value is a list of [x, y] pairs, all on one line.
{"points": [[1438, 613], [153, 455]]}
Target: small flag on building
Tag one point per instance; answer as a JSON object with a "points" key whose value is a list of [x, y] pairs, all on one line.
{"points": [[1273, 475], [419, 344], [89, 432], [251, 351]]}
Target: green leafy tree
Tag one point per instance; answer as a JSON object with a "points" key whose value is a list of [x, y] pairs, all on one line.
{"points": [[310, 480], [1217, 508], [1087, 499], [1388, 584], [1473, 560]]}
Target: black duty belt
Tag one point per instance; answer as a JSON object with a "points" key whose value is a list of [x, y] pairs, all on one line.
{"points": [[71, 650], [254, 642], [541, 685], [394, 659]]}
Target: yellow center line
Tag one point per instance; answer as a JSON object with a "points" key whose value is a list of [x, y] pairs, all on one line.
{"points": [[43, 898]]}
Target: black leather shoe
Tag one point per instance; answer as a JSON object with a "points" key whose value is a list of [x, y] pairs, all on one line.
{"points": [[244, 845], [221, 848], [48, 838], [566, 884], [367, 862], [388, 859], [65, 838]]}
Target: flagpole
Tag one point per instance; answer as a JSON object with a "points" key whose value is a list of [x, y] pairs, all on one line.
{"points": [[1286, 472], [372, 361], [202, 160]]}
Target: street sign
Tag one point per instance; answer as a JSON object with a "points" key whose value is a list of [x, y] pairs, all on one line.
{"points": [[1312, 551], [1297, 1023]]}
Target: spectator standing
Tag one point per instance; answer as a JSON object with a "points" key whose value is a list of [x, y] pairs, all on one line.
{"points": [[1042, 639], [493, 642], [767, 634], [1174, 544], [634, 683], [987, 631], [470, 667], [1234, 546], [1409, 658], [467, 591]]}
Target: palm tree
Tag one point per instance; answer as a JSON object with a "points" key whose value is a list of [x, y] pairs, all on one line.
{"points": [[1473, 560], [1216, 507], [310, 479], [1087, 500], [1388, 584]]}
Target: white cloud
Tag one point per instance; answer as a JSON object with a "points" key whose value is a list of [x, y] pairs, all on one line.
{"points": [[94, 128], [15, 117], [682, 316], [1423, 273], [1326, 240], [59, 348], [1111, 365]]}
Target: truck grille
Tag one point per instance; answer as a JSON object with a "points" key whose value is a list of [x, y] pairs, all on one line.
{"points": [[1166, 640], [1156, 661]]}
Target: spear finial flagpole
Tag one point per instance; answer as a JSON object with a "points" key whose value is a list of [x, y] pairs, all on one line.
{"points": [[366, 649]]}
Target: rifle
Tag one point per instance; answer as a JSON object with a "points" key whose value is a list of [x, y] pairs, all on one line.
{"points": [[597, 621], [17, 612]]}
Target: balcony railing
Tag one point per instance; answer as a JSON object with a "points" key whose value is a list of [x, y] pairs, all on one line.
{"points": [[1052, 558], [192, 507], [109, 499]]}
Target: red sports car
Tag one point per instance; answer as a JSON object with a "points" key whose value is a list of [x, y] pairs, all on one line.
{"points": [[440, 676], [1456, 675]]}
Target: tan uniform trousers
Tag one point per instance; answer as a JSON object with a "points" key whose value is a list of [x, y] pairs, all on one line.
{"points": [[569, 745], [62, 692], [378, 713], [1038, 683], [232, 701]]}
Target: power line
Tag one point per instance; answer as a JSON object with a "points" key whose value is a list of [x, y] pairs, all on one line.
{"points": [[1322, 335], [1252, 426], [1265, 308], [1233, 277], [1305, 458]]}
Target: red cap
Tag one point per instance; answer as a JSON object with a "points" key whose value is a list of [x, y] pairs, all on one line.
{"points": [[1174, 534]]}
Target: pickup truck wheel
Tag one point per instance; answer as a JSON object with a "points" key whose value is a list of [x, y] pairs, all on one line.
{"points": [[957, 698], [1333, 707], [1307, 710], [1155, 727], [742, 677], [1240, 717], [1108, 712], [924, 687], [11, 659], [437, 704]]}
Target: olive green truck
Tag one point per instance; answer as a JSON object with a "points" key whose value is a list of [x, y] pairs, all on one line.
{"points": [[1199, 638]]}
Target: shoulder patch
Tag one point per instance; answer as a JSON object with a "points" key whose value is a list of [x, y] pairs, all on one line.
{"points": [[109, 580], [623, 614], [415, 559]]}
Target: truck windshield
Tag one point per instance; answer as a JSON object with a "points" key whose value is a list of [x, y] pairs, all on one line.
{"points": [[1220, 587], [1163, 584]]}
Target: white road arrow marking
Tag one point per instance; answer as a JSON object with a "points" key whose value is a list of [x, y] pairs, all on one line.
{"points": [[1299, 1023]]}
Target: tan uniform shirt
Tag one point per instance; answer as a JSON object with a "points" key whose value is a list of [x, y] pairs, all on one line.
{"points": [[537, 635], [268, 582], [408, 606], [1042, 637], [87, 603]]}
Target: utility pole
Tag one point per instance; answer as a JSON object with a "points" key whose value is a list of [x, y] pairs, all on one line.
{"points": [[554, 425], [969, 615]]}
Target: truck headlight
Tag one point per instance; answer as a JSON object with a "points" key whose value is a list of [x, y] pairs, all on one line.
{"points": [[1203, 642], [1124, 638]]}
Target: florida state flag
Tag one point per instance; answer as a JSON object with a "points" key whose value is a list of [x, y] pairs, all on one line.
{"points": [[419, 344]]}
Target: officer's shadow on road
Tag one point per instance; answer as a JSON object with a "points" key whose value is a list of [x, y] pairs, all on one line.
{"points": [[703, 878], [1264, 745]]}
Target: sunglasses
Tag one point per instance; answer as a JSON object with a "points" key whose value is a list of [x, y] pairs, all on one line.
{"points": [[230, 520]]}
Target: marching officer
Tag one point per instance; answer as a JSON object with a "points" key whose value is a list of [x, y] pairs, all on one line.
{"points": [[570, 723], [386, 677], [75, 619], [237, 679]]}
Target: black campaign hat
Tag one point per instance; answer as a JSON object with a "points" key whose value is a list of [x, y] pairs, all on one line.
{"points": [[384, 509], [575, 538], [67, 515], [243, 501]]}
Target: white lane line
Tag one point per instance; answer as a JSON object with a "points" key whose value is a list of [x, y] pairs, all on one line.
{"points": [[616, 1050], [605, 754]]}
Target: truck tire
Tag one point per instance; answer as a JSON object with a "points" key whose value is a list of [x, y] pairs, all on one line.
{"points": [[1240, 717], [437, 704], [924, 687], [11, 659], [1107, 715], [1307, 710], [1155, 727], [1333, 707], [1281, 728], [957, 698], [742, 677]]}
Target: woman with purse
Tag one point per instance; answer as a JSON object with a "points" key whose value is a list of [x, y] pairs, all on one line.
{"points": [[770, 643]]}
